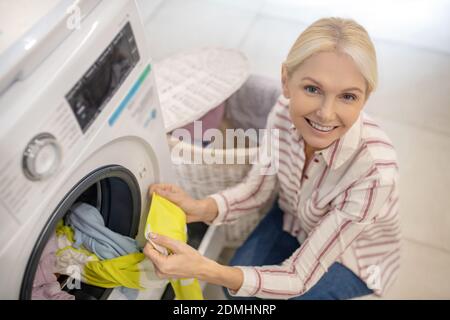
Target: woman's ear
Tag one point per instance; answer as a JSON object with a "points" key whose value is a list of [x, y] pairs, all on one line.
{"points": [[284, 81]]}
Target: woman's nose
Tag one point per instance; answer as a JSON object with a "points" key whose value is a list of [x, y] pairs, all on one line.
{"points": [[326, 112]]}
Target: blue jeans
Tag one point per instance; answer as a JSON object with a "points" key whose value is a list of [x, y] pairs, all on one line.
{"points": [[268, 244]]}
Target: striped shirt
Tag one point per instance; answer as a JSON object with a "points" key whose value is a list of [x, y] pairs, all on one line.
{"points": [[345, 208]]}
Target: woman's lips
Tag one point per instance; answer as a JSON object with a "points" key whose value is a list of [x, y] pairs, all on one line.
{"points": [[320, 128]]}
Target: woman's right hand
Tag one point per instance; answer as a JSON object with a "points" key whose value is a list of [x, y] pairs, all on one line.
{"points": [[204, 210]]}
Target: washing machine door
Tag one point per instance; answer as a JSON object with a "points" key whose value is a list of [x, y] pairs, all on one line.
{"points": [[115, 192]]}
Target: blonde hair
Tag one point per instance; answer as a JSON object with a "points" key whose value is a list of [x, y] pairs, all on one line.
{"points": [[336, 34]]}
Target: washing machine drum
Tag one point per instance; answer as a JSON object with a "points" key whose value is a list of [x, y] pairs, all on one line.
{"points": [[114, 191]]}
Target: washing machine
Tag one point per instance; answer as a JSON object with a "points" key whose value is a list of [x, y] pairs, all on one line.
{"points": [[79, 121]]}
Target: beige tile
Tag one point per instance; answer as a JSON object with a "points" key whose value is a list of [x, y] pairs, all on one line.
{"points": [[268, 43], [423, 24], [424, 158], [247, 5], [424, 274], [414, 87], [148, 7], [181, 25]]}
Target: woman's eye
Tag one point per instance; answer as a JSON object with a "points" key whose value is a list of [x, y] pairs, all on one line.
{"points": [[349, 97], [311, 89]]}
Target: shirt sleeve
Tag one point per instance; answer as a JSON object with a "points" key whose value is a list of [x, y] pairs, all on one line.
{"points": [[350, 214], [259, 184]]}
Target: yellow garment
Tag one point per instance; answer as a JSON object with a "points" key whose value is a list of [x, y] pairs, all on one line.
{"points": [[121, 271], [131, 271], [168, 219], [65, 238], [62, 229]]}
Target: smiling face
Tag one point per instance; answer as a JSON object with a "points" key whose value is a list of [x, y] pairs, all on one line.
{"points": [[327, 93]]}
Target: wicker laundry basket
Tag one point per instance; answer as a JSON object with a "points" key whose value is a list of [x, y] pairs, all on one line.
{"points": [[201, 180], [255, 98]]}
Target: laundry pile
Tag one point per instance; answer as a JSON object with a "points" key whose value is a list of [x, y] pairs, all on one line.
{"points": [[85, 249]]}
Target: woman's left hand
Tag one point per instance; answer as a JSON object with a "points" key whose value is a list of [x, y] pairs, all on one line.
{"points": [[184, 262]]}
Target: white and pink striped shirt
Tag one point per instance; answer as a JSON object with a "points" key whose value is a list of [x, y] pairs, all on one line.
{"points": [[345, 209]]}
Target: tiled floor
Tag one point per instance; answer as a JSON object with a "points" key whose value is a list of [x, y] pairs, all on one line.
{"points": [[412, 102]]}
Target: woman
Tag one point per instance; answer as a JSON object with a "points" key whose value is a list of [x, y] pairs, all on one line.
{"points": [[334, 232]]}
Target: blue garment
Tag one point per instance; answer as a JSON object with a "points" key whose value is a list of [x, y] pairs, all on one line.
{"points": [[90, 231], [268, 244]]}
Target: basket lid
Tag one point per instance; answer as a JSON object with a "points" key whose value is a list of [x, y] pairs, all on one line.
{"points": [[194, 82]]}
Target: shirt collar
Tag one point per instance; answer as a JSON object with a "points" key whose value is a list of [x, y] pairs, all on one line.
{"points": [[342, 149]]}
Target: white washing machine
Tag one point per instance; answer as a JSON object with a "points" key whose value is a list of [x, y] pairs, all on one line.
{"points": [[79, 121]]}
